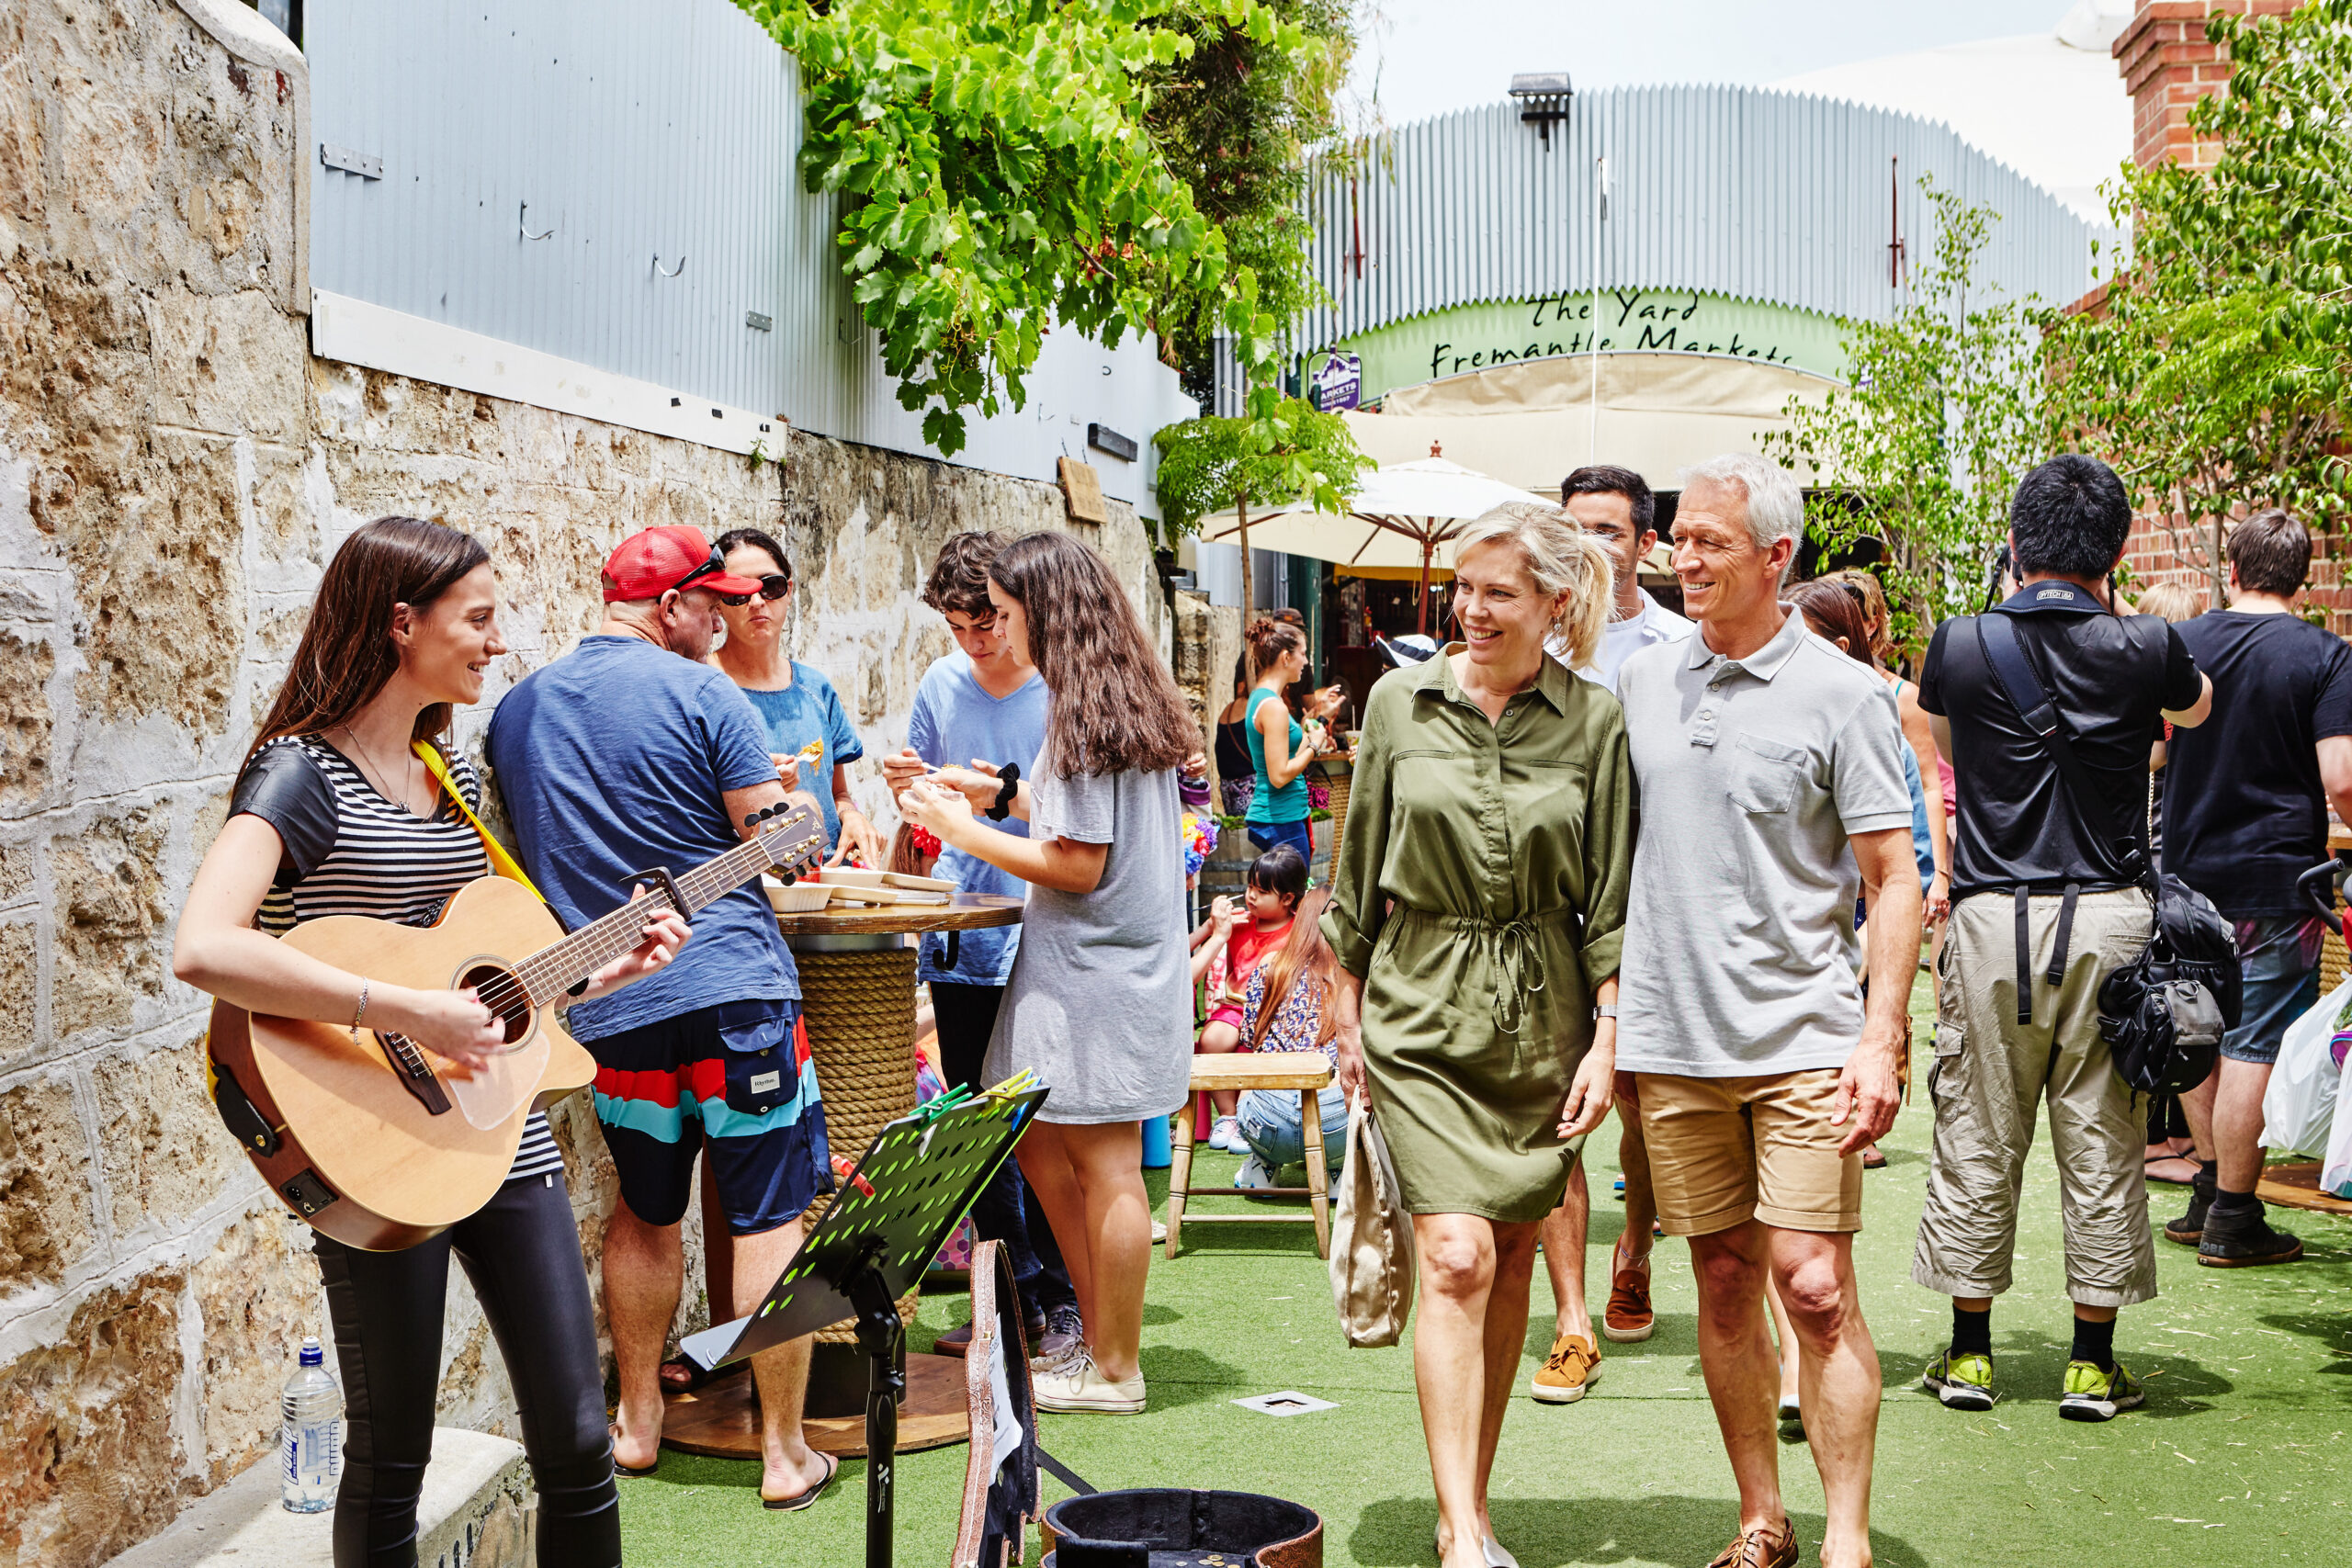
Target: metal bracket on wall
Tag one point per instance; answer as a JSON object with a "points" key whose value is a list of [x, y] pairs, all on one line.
{"points": [[367, 166], [522, 224], [673, 271]]}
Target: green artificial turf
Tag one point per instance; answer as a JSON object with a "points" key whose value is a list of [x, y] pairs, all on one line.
{"points": [[2240, 1457]]}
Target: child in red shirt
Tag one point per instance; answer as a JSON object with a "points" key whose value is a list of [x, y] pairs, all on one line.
{"points": [[1233, 951]]}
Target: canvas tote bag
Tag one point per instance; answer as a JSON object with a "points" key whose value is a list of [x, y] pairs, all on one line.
{"points": [[1372, 1238]]}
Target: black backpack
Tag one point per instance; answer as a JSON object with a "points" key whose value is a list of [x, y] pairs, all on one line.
{"points": [[2163, 1014]]}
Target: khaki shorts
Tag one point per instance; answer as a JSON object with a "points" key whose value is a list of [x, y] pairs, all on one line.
{"points": [[1724, 1151]]}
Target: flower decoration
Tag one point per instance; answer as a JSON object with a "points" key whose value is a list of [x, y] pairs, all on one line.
{"points": [[1200, 842], [1318, 795], [925, 842]]}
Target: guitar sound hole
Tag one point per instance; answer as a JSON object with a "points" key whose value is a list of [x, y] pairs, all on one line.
{"points": [[502, 993]]}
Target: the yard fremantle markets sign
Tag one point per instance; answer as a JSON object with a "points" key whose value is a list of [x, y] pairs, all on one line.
{"points": [[1337, 383], [1477, 337]]}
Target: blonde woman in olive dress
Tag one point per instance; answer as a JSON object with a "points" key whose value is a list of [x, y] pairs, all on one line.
{"points": [[1476, 913]]}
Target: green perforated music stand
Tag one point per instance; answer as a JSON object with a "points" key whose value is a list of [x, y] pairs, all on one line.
{"points": [[920, 1176]]}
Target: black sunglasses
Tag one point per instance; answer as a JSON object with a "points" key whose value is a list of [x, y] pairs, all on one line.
{"points": [[773, 587]]}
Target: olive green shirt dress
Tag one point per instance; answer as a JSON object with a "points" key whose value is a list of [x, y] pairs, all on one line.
{"points": [[1481, 893]]}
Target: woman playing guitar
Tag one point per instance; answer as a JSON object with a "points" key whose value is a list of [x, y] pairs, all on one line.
{"points": [[334, 814]]}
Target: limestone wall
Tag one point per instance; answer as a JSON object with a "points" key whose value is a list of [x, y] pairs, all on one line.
{"points": [[175, 469]]}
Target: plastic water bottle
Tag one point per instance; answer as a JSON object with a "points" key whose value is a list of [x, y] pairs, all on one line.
{"points": [[311, 1440]]}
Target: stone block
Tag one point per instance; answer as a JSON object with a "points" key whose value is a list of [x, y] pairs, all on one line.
{"points": [[109, 920], [258, 1292], [163, 601], [229, 362], [26, 721], [473, 1515], [160, 1143], [45, 1212], [93, 1464], [19, 988]]}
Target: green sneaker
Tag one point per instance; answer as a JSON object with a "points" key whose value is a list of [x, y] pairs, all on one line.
{"points": [[2096, 1395], [1962, 1382]]}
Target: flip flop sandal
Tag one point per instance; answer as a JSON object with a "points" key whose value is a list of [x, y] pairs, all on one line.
{"points": [[2149, 1171], [1873, 1159], [802, 1499], [632, 1469]]}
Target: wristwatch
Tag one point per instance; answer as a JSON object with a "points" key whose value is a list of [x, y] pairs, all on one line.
{"points": [[1011, 774], [1605, 1009]]}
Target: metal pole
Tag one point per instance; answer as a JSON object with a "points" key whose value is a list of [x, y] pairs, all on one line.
{"points": [[878, 1332], [1592, 335]]}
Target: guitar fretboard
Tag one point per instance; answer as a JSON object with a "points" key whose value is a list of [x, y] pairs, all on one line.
{"points": [[556, 968]]}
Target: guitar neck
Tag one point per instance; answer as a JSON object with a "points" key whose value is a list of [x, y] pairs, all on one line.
{"points": [[556, 968]]}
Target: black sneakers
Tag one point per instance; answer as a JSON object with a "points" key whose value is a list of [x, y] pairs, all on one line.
{"points": [[2243, 1241]]}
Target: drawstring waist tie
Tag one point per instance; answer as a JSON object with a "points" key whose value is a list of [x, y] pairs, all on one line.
{"points": [[1516, 949]]}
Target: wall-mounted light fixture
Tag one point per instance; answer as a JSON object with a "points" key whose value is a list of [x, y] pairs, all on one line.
{"points": [[1544, 97]]}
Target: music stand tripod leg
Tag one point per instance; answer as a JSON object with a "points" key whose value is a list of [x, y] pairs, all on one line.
{"points": [[878, 1333]]}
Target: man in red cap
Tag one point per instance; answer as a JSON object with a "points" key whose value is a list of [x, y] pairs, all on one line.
{"points": [[629, 753]]}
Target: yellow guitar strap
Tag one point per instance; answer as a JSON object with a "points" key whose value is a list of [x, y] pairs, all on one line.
{"points": [[500, 861]]}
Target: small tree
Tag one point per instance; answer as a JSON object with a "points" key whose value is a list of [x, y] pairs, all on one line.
{"points": [[2216, 371], [1282, 449], [1940, 421]]}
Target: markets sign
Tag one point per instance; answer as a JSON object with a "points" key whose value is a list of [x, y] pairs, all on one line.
{"points": [[1338, 383]]}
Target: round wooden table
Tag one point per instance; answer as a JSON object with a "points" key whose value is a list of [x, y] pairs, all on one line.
{"points": [[857, 999]]}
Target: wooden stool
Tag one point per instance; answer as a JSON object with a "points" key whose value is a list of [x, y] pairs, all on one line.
{"points": [[1305, 1071]]}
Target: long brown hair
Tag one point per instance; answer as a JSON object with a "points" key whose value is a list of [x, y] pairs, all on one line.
{"points": [[1305, 959], [1834, 609], [1115, 708], [346, 654]]}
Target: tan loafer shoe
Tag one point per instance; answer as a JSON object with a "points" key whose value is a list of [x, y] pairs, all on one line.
{"points": [[1573, 1367], [1760, 1547], [1629, 1319]]}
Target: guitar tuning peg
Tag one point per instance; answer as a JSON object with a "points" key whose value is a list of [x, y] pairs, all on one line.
{"points": [[753, 820]]}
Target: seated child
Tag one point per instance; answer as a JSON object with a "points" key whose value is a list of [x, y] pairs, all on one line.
{"points": [[1233, 951], [1288, 1007]]}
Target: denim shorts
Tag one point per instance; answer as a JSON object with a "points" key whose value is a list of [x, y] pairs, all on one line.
{"points": [[1264, 836], [2279, 957]]}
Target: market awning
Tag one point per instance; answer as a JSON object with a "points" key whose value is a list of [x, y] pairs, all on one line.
{"points": [[1529, 423]]}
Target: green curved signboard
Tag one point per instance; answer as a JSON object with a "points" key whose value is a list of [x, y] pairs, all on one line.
{"points": [[1477, 337]]}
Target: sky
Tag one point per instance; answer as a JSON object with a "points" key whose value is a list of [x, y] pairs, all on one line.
{"points": [[1427, 57]]}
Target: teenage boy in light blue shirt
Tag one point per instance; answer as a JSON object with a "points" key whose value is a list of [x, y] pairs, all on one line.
{"points": [[978, 704]]}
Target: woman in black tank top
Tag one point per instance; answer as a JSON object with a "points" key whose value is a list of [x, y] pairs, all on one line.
{"points": [[334, 813]]}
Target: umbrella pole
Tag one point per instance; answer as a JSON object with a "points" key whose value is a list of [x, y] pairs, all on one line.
{"points": [[1424, 626], [1241, 510]]}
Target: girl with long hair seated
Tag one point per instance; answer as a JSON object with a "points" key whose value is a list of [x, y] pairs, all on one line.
{"points": [[1237, 942], [336, 813], [1099, 1002], [1289, 1005]]}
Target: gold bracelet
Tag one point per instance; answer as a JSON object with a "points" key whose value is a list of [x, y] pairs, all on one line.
{"points": [[360, 1014]]}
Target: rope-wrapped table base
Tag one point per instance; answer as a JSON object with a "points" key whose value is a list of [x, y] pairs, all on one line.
{"points": [[860, 1009]]}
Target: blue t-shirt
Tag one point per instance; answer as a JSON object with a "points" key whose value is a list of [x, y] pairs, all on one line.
{"points": [[956, 721], [810, 709], [1269, 804], [611, 760]]}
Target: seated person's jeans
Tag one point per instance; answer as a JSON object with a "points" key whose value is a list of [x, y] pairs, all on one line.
{"points": [[1269, 1121]]}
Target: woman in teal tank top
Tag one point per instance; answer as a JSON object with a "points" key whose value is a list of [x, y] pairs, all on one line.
{"points": [[1278, 752]]}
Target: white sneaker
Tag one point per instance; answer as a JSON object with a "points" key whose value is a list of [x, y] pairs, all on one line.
{"points": [[1254, 1176], [1078, 1384], [1225, 1133]]}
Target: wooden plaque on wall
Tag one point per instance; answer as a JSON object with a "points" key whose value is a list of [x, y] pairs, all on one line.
{"points": [[1082, 487]]}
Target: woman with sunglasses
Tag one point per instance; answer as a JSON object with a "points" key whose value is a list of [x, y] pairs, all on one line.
{"points": [[801, 709]]}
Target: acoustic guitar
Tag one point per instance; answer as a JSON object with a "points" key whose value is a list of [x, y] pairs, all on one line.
{"points": [[369, 1142]]}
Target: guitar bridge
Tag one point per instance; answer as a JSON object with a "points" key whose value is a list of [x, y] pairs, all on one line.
{"points": [[408, 1065]]}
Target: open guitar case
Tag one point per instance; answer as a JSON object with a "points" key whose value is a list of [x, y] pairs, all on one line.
{"points": [[1000, 1476]]}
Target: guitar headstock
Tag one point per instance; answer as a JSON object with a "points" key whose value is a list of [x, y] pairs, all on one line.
{"points": [[793, 834]]}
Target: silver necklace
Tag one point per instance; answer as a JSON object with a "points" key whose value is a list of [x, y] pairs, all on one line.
{"points": [[371, 773]]}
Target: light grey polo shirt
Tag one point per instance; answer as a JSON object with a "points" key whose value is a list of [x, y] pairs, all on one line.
{"points": [[1741, 950]]}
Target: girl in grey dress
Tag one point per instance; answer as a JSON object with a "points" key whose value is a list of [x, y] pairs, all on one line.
{"points": [[1100, 999]]}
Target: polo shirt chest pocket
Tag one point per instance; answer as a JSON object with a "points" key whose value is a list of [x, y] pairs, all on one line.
{"points": [[1765, 775], [763, 1073]]}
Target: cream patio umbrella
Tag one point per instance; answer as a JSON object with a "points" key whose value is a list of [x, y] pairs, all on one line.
{"points": [[1399, 516]]}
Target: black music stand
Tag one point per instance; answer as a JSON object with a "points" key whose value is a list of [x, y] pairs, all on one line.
{"points": [[920, 1176]]}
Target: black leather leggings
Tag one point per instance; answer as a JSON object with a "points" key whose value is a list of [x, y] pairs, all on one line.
{"points": [[521, 1252]]}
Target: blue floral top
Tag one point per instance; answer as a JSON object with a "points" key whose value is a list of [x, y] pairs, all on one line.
{"points": [[1296, 1023]]}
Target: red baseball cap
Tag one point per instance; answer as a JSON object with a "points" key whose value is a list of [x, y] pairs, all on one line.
{"points": [[648, 565]]}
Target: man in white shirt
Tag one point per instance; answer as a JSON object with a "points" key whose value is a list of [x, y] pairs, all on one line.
{"points": [[1616, 506]]}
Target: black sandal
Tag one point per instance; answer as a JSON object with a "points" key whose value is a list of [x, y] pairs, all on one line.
{"points": [[803, 1498], [638, 1471], [695, 1376]]}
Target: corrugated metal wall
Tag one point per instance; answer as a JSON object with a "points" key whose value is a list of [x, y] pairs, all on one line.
{"points": [[1739, 191]]}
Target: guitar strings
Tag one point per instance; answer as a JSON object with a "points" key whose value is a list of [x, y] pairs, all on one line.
{"points": [[611, 935]]}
